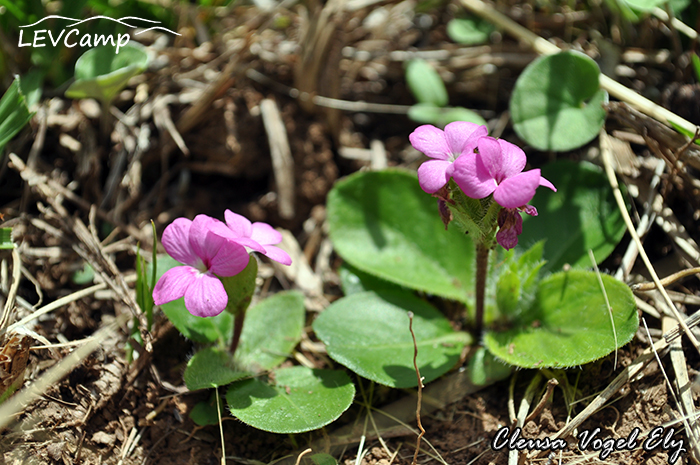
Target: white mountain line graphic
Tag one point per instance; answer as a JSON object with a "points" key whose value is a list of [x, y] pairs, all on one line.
{"points": [[120, 21]]}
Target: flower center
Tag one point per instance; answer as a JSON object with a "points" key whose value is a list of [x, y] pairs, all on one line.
{"points": [[201, 266]]}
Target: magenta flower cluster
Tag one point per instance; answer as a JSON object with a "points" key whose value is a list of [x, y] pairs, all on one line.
{"points": [[210, 250], [480, 166]]}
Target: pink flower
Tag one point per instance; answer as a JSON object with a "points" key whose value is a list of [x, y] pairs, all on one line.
{"points": [[206, 255], [446, 146], [259, 237], [497, 169]]}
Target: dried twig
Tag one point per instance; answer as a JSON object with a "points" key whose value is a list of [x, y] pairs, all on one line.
{"points": [[605, 151], [420, 388], [282, 161]]}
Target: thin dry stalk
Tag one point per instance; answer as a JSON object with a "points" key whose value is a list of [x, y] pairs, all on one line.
{"points": [[607, 162], [627, 373], [682, 385], [282, 161], [420, 388], [12, 407]]}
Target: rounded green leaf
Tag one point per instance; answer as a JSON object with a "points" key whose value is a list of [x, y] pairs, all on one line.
{"points": [[569, 323], [368, 333], [301, 399], [271, 330], [557, 102], [211, 368], [323, 459], [353, 281], [382, 223], [209, 329], [581, 215], [425, 83], [204, 413], [469, 31], [101, 72]]}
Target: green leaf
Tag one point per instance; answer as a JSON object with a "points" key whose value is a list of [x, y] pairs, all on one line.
{"points": [[557, 102], [517, 282], [581, 215], [695, 60], [144, 288], [442, 116], [353, 281], [425, 83], [210, 368], [14, 113], [101, 72], [84, 275], [204, 413], [6, 239], [382, 223], [211, 329], [644, 5], [682, 130], [271, 330], [569, 323], [301, 399], [469, 31], [31, 86], [369, 333], [323, 459], [484, 369]]}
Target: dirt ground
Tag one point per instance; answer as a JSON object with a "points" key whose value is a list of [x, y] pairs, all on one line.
{"points": [[188, 138]]}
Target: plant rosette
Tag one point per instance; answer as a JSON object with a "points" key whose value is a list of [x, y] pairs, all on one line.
{"points": [[394, 241], [205, 286]]}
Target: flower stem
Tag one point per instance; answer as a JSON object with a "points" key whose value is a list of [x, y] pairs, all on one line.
{"points": [[482, 266], [237, 330]]}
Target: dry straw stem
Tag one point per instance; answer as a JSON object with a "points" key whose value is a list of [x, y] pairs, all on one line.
{"points": [[544, 47], [686, 404], [281, 153], [12, 407], [606, 153], [7, 311], [599, 402]]}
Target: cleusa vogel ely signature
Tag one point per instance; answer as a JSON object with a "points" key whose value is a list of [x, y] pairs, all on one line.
{"points": [[659, 437]]}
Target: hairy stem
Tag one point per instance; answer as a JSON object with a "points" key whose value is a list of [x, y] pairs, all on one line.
{"points": [[482, 266], [237, 329]]}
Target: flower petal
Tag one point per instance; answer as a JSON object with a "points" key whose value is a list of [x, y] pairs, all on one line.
{"points": [[265, 234], [513, 159], [517, 191], [176, 241], [231, 259], [278, 255], [432, 175], [173, 284], [462, 136], [490, 154], [546, 183], [221, 229], [206, 296], [431, 141], [239, 224], [205, 245], [472, 177]]}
